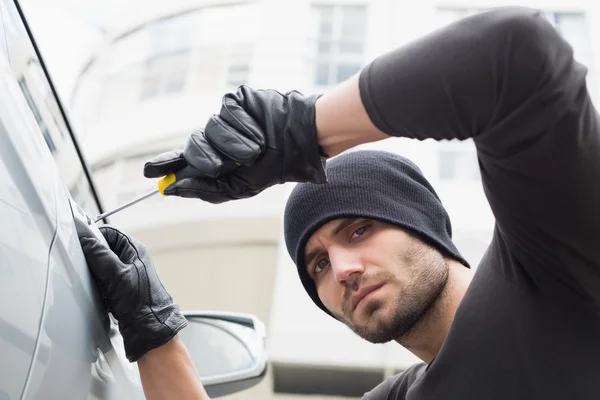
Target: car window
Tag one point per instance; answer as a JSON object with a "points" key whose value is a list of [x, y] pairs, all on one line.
{"points": [[45, 107]]}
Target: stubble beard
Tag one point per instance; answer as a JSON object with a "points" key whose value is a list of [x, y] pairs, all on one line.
{"points": [[415, 303]]}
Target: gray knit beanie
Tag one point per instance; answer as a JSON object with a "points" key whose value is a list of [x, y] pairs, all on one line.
{"points": [[366, 184]]}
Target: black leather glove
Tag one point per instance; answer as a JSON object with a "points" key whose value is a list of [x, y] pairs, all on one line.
{"points": [[147, 316], [259, 139]]}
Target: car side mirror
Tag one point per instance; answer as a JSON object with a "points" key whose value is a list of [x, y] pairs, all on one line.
{"points": [[228, 350]]}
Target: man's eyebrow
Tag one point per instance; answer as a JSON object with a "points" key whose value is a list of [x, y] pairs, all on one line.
{"points": [[342, 225], [313, 253]]}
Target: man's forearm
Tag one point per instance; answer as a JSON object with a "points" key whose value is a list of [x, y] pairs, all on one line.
{"points": [[460, 81], [342, 121], [168, 372]]}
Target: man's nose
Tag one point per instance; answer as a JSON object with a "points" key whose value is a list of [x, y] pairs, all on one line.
{"points": [[344, 263]]}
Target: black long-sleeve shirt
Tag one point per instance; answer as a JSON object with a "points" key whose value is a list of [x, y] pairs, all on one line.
{"points": [[529, 324]]}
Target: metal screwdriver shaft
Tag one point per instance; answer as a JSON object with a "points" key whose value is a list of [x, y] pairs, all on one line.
{"points": [[162, 185], [108, 213]]}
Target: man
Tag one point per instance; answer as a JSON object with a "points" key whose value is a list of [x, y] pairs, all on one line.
{"points": [[371, 239]]}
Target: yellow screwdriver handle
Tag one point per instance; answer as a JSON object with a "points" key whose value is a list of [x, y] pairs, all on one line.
{"points": [[164, 182]]}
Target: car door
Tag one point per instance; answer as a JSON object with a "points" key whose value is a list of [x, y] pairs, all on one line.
{"points": [[59, 340], [27, 226]]}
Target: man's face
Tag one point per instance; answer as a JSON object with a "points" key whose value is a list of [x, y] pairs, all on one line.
{"points": [[375, 277]]}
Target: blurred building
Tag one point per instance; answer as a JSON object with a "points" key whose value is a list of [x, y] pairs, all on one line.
{"points": [[161, 72]]}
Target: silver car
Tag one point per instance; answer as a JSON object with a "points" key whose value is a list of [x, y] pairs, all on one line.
{"points": [[56, 340]]}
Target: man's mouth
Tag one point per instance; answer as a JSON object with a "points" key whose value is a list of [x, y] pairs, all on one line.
{"points": [[362, 293]]}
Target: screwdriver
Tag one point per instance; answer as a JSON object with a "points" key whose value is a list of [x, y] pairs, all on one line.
{"points": [[162, 185]]}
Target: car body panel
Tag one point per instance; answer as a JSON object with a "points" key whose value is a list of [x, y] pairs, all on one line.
{"points": [[53, 340], [74, 326], [28, 220]]}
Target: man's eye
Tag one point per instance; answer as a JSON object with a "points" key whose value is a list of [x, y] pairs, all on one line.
{"points": [[360, 231], [320, 265]]}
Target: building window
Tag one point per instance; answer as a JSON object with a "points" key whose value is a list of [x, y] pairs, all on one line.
{"points": [[458, 162], [237, 74], [238, 70], [219, 65], [165, 74], [573, 27], [167, 63], [339, 42]]}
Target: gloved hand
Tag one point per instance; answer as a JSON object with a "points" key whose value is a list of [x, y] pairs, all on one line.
{"points": [[259, 139], [147, 316]]}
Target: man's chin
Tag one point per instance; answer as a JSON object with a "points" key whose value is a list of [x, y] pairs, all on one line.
{"points": [[375, 328], [375, 336]]}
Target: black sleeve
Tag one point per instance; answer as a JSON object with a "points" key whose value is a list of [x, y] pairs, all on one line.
{"points": [[396, 387], [508, 80]]}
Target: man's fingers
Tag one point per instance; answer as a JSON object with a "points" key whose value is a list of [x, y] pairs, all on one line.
{"points": [[191, 172], [203, 189], [164, 164], [214, 191], [113, 276], [100, 259], [233, 141], [120, 244], [204, 159], [199, 159], [234, 112]]}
